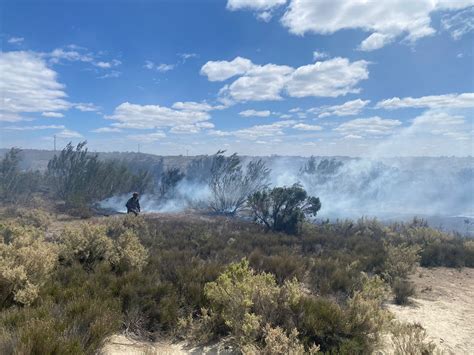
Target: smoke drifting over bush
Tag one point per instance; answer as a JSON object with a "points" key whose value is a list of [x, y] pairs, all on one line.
{"points": [[395, 188]]}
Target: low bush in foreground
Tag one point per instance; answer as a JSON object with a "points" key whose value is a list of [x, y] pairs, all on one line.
{"points": [[204, 279]]}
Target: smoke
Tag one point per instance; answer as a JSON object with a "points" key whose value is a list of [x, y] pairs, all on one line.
{"points": [[389, 189]]}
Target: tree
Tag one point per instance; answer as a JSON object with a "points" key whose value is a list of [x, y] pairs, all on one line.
{"points": [[169, 180], [9, 172], [80, 178], [231, 185], [283, 208]]}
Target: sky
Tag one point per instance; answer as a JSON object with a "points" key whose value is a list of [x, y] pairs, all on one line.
{"points": [[257, 77]]}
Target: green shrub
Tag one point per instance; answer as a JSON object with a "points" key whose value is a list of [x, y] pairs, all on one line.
{"points": [[400, 261], [283, 208]]}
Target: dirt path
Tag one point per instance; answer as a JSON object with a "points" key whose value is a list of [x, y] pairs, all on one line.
{"points": [[444, 306]]}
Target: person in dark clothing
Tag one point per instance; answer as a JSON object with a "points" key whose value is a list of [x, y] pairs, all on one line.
{"points": [[133, 204]]}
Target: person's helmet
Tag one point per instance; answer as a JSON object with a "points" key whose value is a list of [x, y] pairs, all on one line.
{"points": [[135, 194]]}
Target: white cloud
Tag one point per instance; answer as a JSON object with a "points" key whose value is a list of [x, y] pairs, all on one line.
{"points": [[265, 16], [386, 20], [15, 40], [255, 113], [154, 116], [52, 114], [258, 131], [460, 23], [148, 137], [465, 100], [106, 130], [320, 55], [111, 74], [195, 106], [162, 68], [33, 128], [285, 116], [375, 41], [368, 127], [185, 56], [107, 65], [223, 70], [307, 127], [254, 4], [348, 108], [330, 78], [28, 85], [86, 107], [66, 133], [12, 117]]}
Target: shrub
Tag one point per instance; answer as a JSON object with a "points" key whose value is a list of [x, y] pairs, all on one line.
{"points": [[283, 208], [400, 261], [241, 298], [410, 339], [402, 289], [26, 262], [278, 342], [90, 245]]}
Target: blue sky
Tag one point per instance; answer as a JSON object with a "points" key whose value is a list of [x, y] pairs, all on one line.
{"points": [[289, 77]]}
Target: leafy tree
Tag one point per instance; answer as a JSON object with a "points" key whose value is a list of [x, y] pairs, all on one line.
{"points": [[9, 172], [231, 185], [283, 208]]}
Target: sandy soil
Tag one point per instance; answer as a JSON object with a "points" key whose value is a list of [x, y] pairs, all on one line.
{"points": [[444, 306], [123, 345]]}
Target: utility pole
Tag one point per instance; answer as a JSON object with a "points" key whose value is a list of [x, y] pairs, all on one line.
{"points": [[55, 143]]}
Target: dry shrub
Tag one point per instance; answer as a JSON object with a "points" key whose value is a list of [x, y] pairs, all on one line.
{"points": [[277, 341], [90, 245], [29, 217], [403, 289], [411, 339], [26, 262]]}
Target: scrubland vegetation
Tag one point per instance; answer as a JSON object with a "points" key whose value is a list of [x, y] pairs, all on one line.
{"points": [[203, 279], [275, 284]]}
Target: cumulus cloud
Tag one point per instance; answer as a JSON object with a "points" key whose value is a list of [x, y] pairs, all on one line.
{"points": [[223, 70], [67, 133], [107, 130], [307, 127], [33, 128], [465, 100], [148, 137], [86, 107], [109, 64], [255, 113], [348, 108], [320, 55], [254, 4], [257, 131], [154, 116], [52, 114], [330, 78], [162, 68], [195, 106], [384, 20], [28, 85], [368, 127]]}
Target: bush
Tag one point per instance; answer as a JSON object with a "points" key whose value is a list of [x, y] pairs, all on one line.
{"points": [[400, 261], [26, 262], [402, 289], [90, 245], [283, 208], [411, 339]]}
